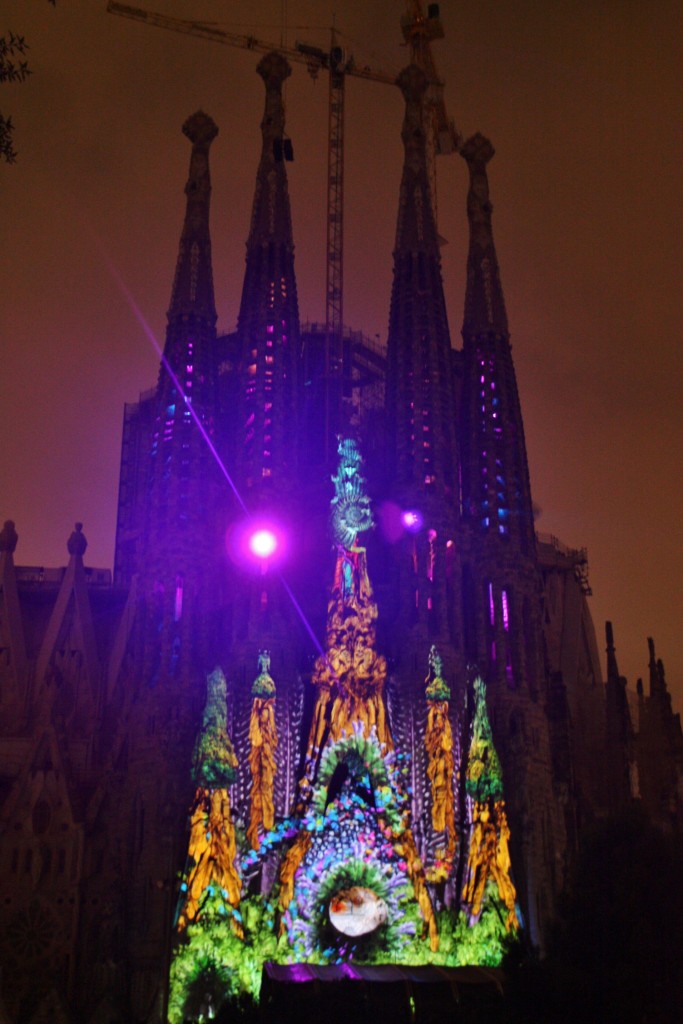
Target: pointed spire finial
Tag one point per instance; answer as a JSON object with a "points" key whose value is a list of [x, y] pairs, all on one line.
{"points": [[193, 285], [271, 217], [416, 229], [8, 537], [612, 668], [77, 544], [655, 678], [484, 302], [200, 129], [268, 323], [274, 69], [412, 82]]}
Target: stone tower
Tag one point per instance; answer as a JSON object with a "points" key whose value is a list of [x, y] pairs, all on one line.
{"points": [[501, 582], [421, 418], [172, 602], [480, 628], [268, 326], [179, 538]]}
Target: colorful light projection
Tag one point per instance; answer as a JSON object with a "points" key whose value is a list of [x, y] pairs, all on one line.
{"points": [[440, 767], [340, 879], [489, 853], [350, 675], [263, 744], [212, 849]]}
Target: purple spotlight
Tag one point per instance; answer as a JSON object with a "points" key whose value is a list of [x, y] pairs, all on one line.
{"points": [[412, 520], [256, 544], [263, 543]]}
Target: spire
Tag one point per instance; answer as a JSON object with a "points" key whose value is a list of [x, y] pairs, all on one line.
{"points": [[612, 668], [415, 229], [503, 589], [12, 641], [420, 395], [186, 374], [71, 626], [350, 689], [268, 326], [656, 688], [619, 748], [181, 503], [193, 285], [484, 303], [489, 853], [271, 217], [496, 488]]}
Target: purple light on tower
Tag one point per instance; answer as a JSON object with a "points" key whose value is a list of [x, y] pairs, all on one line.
{"points": [[257, 543], [412, 520], [263, 543]]}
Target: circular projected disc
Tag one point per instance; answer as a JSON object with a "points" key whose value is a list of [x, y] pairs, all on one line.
{"points": [[357, 911]]}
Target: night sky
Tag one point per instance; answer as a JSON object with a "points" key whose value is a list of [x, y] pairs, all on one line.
{"points": [[583, 103]]}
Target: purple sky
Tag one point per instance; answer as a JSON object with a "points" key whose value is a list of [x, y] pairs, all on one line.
{"points": [[583, 104]]}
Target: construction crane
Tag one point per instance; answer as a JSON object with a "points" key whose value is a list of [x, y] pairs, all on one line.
{"points": [[419, 30]]}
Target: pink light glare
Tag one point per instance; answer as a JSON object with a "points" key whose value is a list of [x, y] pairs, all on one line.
{"points": [[257, 544], [263, 543], [395, 522], [412, 520]]}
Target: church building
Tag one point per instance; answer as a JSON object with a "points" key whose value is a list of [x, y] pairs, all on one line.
{"points": [[338, 705]]}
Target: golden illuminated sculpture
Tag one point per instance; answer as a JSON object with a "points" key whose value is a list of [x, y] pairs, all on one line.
{"points": [[440, 765], [350, 675], [489, 854], [212, 846], [263, 744], [288, 869], [405, 846]]}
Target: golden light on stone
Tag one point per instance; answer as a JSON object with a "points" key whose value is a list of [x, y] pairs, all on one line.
{"points": [[212, 847], [489, 858], [440, 766], [263, 744]]}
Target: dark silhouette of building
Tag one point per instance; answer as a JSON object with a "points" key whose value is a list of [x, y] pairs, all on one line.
{"points": [[102, 682]]}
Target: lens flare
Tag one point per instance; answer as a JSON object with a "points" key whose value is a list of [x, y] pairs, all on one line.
{"points": [[263, 543]]}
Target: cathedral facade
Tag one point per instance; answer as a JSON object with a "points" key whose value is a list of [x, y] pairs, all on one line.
{"points": [[348, 744]]}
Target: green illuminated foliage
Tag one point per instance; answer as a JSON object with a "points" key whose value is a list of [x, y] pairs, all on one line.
{"points": [[211, 965], [437, 688], [484, 773], [263, 685], [215, 763]]}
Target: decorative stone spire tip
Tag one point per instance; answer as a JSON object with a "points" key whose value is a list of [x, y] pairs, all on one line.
{"points": [[274, 69], [200, 129], [477, 150], [77, 543]]}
